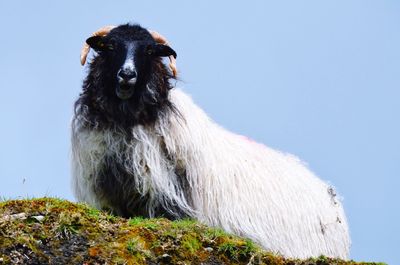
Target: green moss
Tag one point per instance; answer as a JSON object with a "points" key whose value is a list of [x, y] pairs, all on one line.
{"points": [[69, 233], [249, 248], [229, 249], [183, 224], [191, 243], [92, 212], [147, 223], [133, 246], [136, 220], [151, 226]]}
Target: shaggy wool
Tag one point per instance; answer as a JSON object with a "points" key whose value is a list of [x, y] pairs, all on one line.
{"points": [[188, 162]]}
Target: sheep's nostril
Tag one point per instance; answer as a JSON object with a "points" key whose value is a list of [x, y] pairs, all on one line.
{"points": [[124, 87], [127, 75]]}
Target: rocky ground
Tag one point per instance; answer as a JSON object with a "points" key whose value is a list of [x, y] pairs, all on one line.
{"points": [[54, 231]]}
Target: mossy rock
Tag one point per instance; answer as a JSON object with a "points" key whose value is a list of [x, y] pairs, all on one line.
{"points": [[54, 231]]}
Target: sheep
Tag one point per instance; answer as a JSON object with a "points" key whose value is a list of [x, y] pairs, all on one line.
{"points": [[141, 147]]}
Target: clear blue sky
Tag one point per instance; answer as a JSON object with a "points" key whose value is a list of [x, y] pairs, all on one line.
{"points": [[320, 79]]}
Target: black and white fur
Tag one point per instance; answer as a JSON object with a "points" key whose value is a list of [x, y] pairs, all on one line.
{"points": [[141, 147]]}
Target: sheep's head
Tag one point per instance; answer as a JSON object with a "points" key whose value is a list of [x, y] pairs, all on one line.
{"points": [[128, 53], [127, 75]]}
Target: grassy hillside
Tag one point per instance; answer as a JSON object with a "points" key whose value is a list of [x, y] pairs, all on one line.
{"points": [[53, 231]]}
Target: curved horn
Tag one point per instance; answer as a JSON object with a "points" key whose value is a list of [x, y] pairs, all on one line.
{"points": [[86, 48], [162, 40]]}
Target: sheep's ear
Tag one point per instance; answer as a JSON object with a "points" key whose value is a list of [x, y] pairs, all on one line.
{"points": [[163, 50], [97, 43]]}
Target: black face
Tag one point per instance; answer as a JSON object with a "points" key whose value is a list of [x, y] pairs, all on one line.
{"points": [[129, 60], [127, 83]]}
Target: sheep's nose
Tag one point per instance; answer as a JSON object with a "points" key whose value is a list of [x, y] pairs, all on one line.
{"points": [[126, 75]]}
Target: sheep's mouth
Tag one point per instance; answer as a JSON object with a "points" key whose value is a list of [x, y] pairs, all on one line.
{"points": [[124, 91]]}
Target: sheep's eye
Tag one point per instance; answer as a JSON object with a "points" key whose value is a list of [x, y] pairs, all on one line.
{"points": [[110, 47], [149, 50]]}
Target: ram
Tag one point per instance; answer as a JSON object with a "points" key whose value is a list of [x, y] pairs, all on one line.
{"points": [[142, 147]]}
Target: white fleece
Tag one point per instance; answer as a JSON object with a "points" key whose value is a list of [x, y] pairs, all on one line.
{"points": [[239, 185]]}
